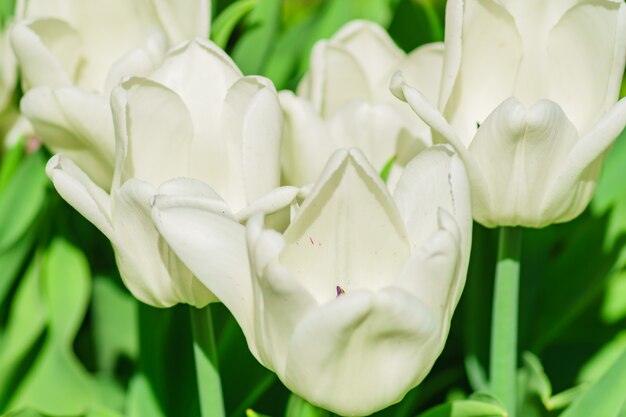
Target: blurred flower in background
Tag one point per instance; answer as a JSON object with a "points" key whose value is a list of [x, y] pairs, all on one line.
{"points": [[72, 53], [344, 101]]}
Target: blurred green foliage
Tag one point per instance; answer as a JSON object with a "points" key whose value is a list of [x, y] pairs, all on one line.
{"points": [[73, 342]]}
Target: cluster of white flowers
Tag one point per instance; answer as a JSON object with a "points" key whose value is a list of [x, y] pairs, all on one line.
{"points": [[213, 186]]}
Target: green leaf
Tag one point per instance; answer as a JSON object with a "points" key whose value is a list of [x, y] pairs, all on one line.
{"points": [[115, 323], [22, 199], [254, 46], [465, 408], [252, 413], [223, 26], [537, 382], [26, 323], [10, 162], [384, 173], [297, 407], [565, 398], [12, 259], [606, 397], [57, 383]]}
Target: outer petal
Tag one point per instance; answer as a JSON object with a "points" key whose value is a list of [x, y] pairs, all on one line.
{"points": [[149, 268], [76, 123], [307, 144], [48, 51], [81, 193], [435, 179], [483, 50], [251, 127], [521, 153], [362, 352], [200, 228], [153, 132], [573, 188], [422, 68], [585, 79], [347, 232], [280, 301]]}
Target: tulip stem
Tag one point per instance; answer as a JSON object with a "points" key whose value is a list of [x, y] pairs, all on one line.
{"points": [[503, 357], [205, 355]]}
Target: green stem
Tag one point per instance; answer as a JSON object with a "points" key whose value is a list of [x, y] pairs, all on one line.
{"points": [[205, 354], [503, 356]]}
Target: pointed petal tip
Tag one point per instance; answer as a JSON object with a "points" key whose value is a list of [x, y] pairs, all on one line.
{"points": [[397, 84]]}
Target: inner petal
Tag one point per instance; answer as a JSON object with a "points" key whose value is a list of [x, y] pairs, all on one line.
{"points": [[348, 234]]}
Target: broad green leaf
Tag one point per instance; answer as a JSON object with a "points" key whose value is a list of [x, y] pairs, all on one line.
{"points": [[22, 199], [610, 187], [26, 323], [114, 321], [254, 46], [465, 408], [12, 260], [223, 26], [57, 383], [297, 407], [10, 161], [606, 397], [142, 400]]}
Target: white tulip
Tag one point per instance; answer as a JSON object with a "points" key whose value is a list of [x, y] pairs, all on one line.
{"points": [[72, 53], [8, 71], [351, 306], [195, 116], [344, 101], [529, 91]]}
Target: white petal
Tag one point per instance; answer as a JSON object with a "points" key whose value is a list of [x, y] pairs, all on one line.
{"points": [[184, 20], [347, 232], [200, 228], [336, 78], [76, 123], [372, 47], [274, 201], [373, 128], [149, 268], [362, 352], [48, 51], [201, 74], [520, 153], [435, 273], [153, 132], [138, 62], [252, 129], [595, 66], [573, 188], [435, 179], [81, 193], [280, 301], [307, 144], [422, 69], [442, 131]]}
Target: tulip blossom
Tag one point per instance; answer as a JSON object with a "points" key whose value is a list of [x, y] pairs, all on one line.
{"points": [[528, 95], [195, 116], [73, 52], [352, 304], [344, 101]]}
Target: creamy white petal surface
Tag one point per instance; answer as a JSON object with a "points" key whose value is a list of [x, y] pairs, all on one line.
{"points": [[194, 116], [344, 101], [399, 263], [528, 101]]}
